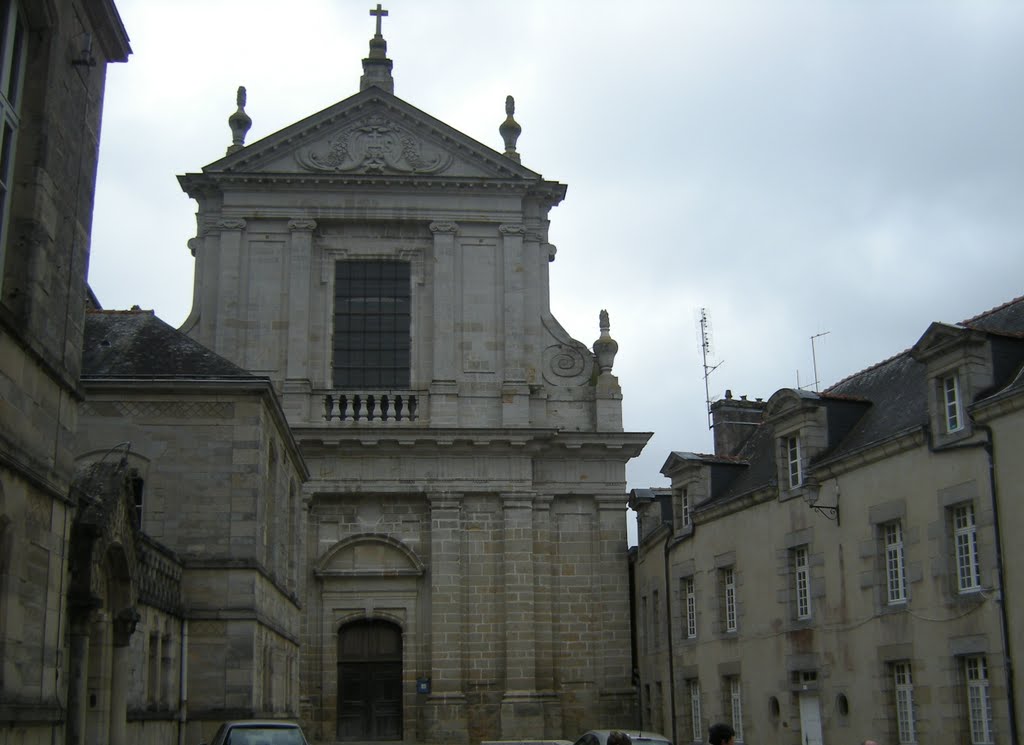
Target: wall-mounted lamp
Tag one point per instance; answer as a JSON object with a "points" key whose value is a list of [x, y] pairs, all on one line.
{"points": [[85, 57], [811, 494]]}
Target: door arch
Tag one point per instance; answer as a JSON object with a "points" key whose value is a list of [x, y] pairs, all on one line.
{"points": [[370, 681]]}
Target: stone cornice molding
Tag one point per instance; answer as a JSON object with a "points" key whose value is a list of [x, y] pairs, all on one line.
{"points": [[301, 225]]}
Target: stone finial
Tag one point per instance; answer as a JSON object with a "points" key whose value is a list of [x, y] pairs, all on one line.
{"points": [[510, 129], [377, 67], [605, 348], [239, 123]]}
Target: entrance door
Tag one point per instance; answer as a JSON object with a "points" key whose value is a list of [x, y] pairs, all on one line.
{"points": [[370, 681], [810, 719]]}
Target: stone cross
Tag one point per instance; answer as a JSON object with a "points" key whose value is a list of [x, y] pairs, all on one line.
{"points": [[380, 13]]}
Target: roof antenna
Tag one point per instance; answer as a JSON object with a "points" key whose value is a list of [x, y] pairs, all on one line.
{"points": [[814, 358], [706, 350]]}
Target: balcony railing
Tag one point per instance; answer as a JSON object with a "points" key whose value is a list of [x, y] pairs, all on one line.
{"points": [[372, 406]]}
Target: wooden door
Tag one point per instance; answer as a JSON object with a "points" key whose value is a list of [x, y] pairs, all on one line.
{"points": [[370, 681]]}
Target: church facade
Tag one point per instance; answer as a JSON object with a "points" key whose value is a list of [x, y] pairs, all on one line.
{"points": [[465, 575]]}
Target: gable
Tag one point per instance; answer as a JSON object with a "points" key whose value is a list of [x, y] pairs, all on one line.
{"points": [[371, 133]]}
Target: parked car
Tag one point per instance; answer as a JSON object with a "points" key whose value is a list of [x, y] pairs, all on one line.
{"points": [[259, 733], [639, 737]]}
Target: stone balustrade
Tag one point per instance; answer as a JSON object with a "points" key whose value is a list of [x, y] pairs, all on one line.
{"points": [[374, 407]]}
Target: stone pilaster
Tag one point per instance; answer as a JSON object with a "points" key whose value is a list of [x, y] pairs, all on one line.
{"points": [[611, 588], [446, 704], [515, 393], [522, 714], [228, 299], [443, 386], [297, 385], [78, 667]]}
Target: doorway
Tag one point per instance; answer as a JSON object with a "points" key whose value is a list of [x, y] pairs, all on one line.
{"points": [[370, 681], [810, 719]]}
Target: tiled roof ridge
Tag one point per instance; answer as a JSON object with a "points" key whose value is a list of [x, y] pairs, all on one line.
{"points": [[991, 311], [116, 312], [869, 368]]}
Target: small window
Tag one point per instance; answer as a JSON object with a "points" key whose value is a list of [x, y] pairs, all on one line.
{"points": [[736, 706], [979, 704], [685, 508], [802, 582], [728, 577], [690, 607], [895, 570], [696, 727], [904, 693], [965, 538], [953, 409], [796, 477], [13, 44]]}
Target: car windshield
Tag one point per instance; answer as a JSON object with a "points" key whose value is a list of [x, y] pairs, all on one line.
{"points": [[265, 736]]}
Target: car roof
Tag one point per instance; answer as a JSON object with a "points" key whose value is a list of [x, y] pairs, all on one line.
{"points": [[261, 723], [634, 734]]}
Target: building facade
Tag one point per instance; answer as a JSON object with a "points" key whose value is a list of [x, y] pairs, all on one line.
{"points": [[53, 56], [465, 535], [843, 567]]}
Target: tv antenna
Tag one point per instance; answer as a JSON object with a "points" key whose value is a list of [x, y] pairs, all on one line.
{"points": [[706, 350], [814, 358]]}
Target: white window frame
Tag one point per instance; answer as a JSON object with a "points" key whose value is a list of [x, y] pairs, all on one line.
{"points": [[965, 538], [736, 706], [795, 467], [696, 725], [13, 60], [903, 683], [690, 607], [952, 406], [979, 702], [895, 563], [729, 585], [684, 507], [802, 579]]}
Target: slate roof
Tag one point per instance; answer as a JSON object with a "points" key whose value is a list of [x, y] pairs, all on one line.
{"points": [[131, 344], [892, 397]]}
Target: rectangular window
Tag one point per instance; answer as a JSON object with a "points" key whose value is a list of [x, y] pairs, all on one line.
{"points": [[979, 705], [966, 539], [12, 77], [951, 400], [729, 596], [796, 477], [690, 607], [372, 323], [895, 571], [696, 726], [736, 707], [904, 690], [802, 581], [685, 508], [643, 624]]}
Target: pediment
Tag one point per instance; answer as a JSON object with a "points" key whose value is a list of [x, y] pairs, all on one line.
{"points": [[371, 134], [937, 339], [369, 555]]}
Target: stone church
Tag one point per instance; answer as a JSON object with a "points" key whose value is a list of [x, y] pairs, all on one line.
{"points": [[464, 525], [371, 483]]}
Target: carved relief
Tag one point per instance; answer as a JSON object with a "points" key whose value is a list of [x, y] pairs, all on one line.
{"points": [[375, 145], [512, 229], [302, 224], [444, 227], [566, 364], [231, 224]]}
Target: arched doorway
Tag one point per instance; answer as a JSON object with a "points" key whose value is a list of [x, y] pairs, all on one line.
{"points": [[370, 681]]}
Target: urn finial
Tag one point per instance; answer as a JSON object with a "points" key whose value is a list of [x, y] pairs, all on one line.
{"points": [[239, 123], [510, 129], [605, 348]]}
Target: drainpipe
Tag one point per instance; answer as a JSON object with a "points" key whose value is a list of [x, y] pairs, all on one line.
{"points": [[668, 634], [989, 447], [183, 683]]}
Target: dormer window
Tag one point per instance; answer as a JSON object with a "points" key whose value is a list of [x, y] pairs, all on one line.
{"points": [[953, 409], [796, 476], [685, 508]]}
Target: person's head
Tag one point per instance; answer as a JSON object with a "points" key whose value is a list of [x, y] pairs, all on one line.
{"points": [[721, 734], [619, 738], [869, 742]]}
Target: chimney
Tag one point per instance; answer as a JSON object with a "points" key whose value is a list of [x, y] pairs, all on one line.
{"points": [[734, 421]]}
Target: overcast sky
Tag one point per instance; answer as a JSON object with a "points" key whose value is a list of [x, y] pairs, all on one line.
{"points": [[795, 168]]}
